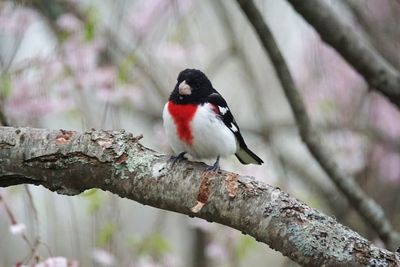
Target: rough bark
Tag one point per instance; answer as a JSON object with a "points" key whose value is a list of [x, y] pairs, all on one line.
{"points": [[335, 31], [70, 162]]}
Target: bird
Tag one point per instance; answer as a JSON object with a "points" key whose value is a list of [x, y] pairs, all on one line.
{"points": [[198, 122]]}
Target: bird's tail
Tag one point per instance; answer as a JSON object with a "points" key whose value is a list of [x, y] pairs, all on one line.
{"points": [[246, 156]]}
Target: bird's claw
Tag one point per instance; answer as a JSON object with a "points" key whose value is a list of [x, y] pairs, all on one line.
{"points": [[175, 159], [215, 167]]}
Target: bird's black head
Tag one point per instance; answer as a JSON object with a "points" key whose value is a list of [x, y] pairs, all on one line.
{"points": [[192, 87]]}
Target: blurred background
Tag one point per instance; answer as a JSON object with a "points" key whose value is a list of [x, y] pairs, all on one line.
{"points": [[77, 65]]}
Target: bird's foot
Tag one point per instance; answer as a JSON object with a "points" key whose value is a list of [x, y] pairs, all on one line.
{"points": [[175, 159], [215, 167]]}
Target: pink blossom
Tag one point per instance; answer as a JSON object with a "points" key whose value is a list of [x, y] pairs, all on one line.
{"points": [[108, 95], [65, 86], [57, 262], [145, 14], [384, 116], [100, 77], [49, 67], [81, 56], [216, 251], [106, 74], [15, 19], [379, 9], [17, 229], [32, 107], [390, 167], [27, 101], [388, 163], [103, 257], [69, 22]]}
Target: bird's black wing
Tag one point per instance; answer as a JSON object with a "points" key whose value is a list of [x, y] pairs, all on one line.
{"points": [[221, 107], [243, 153]]}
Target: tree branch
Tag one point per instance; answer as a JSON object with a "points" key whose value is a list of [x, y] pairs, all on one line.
{"points": [[365, 206], [71, 162], [357, 51]]}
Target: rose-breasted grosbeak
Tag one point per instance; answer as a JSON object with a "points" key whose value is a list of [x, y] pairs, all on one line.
{"points": [[198, 121]]}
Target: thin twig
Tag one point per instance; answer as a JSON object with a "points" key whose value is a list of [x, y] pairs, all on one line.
{"points": [[11, 216], [35, 214], [365, 206]]}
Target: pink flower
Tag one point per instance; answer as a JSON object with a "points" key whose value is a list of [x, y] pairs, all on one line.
{"points": [[216, 251], [28, 101], [65, 86], [50, 67], [385, 116], [144, 15], [17, 229], [387, 163], [380, 9], [99, 77], [57, 262], [15, 19], [69, 22], [103, 257], [81, 56]]}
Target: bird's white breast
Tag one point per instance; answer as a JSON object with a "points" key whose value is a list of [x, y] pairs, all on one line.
{"points": [[211, 138]]}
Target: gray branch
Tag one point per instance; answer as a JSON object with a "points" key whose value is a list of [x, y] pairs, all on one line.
{"points": [[364, 205], [70, 162], [375, 69]]}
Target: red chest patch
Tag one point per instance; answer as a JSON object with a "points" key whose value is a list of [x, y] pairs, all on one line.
{"points": [[182, 116]]}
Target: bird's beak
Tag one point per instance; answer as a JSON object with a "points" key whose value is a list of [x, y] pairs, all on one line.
{"points": [[184, 88]]}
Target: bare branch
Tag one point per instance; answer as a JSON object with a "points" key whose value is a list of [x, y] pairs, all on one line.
{"points": [[365, 206], [378, 72], [71, 162]]}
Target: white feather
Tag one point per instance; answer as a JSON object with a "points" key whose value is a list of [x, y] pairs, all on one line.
{"points": [[233, 127], [223, 110], [211, 137]]}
